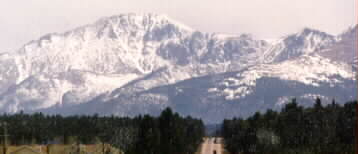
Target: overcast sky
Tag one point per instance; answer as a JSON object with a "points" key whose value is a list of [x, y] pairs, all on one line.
{"points": [[25, 20]]}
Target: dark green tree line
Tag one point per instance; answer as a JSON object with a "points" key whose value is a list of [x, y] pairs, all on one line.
{"points": [[168, 133], [295, 129]]}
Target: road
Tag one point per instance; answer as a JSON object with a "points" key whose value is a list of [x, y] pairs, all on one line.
{"points": [[209, 146]]}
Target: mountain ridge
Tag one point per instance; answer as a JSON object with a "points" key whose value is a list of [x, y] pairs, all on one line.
{"points": [[128, 54]]}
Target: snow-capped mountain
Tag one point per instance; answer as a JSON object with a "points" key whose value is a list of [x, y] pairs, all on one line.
{"points": [[304, 42], [89, 60], [137, 63], [345, 48], [238, 93]]}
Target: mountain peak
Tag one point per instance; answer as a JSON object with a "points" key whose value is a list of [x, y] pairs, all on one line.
{"points": [[247, 36], [144, 19], [123, 28], [306, 31], [133, 55], [305, 41], [137, 16], [351, 32]]}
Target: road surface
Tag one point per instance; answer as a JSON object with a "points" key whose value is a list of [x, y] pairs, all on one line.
{"points": [[209, 146]]}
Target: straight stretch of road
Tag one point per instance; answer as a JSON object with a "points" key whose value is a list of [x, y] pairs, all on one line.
{"points": [[210, 145]]}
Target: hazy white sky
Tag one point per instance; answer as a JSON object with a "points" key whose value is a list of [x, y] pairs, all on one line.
{"points": [[25, 20]]}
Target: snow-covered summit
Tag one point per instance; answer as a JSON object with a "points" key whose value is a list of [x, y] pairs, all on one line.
{"points": [[118, 48], [345, 48], [137, 52], [305, 41]]}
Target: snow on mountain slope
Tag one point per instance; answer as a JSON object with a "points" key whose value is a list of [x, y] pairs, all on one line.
{"points": [[308, 69], [240, 93], [63, 89], [304, 42], [345, 48], [118, 44], [126, 45], [122, 45], [105, 66]]}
